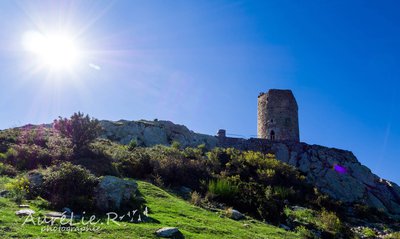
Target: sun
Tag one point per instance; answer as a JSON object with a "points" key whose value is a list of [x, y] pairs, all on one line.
{"points": [[54, 51]]}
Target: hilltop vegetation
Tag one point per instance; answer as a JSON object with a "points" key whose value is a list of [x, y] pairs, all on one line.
{"points": [[71, 159], [166, 209]]}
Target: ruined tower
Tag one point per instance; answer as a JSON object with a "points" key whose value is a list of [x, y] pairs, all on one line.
{"points": [[277, 116]]}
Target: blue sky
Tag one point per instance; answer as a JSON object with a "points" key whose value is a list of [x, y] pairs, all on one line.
{"points": [[203, 63]]}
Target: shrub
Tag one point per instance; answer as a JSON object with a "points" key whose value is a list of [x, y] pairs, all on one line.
{"points": [[192, 153], [176, 145], [79, 128], [223, 188], [368, 232], [330, 222], [8, 170], [304, 233], [19, 188], [132, 145], [7, 138], [37, 147], [34, 135], [195, 198], [176, 170], [283, 192], [133, 164], [306, 216], [27, 157], [68, 185], [394, 235]]}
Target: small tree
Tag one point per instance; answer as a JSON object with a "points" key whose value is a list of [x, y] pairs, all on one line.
{"points": [[79, 128]]}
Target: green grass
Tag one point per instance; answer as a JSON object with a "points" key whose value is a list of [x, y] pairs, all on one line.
{"points": [[166, 209]]}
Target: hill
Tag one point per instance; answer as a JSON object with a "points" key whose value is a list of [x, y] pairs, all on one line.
{"points": [[335, 172], [302, 188], [165, 208]]}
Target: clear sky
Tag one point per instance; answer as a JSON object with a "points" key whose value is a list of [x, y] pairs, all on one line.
{"points": [[203, 63]]}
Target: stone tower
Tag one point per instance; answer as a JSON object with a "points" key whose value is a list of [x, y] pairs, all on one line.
{"points": [[277, 116]]}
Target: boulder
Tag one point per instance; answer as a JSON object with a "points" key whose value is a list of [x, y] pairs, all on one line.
{"points": [[24, 212], [35, 179], [113, 194], [169, 232], [234, 214], [4, 193]]}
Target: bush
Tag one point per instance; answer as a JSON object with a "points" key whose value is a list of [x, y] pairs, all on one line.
{"points": [[19, 188], [132, 145], [330, 222], [223, 189], [133, 164], [7, 170], [37, 147], [68, 185], [27, 157], [304, 233], [306, 215], [368, 232], [394, 235], [174, 169], [176, 145], [195, 198], [79, 128]]}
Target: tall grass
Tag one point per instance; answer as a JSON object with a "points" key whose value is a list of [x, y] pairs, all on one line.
{"points": [[222, 188]]}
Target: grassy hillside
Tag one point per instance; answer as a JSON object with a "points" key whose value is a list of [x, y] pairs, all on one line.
{"points": [[166, 210]]}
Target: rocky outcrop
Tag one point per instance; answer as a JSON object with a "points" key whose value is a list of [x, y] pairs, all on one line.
{"points": [[335, 172], [150, 133], [113, 194], [339, 174]]}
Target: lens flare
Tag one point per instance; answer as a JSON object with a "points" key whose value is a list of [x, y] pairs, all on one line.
{"points": [[56, 51]]}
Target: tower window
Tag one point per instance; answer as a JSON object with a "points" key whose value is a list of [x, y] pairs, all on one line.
{"points": [[272, 135]]}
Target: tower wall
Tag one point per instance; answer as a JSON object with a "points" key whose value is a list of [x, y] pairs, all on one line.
{"points": [[277, 116]]}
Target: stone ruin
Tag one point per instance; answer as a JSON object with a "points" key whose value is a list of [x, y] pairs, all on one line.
{"points": [[278, 133]]}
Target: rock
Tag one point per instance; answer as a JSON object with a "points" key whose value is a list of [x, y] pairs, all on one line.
{"points": [[298, 208], [61, 214], [35, 179], [67, 210], [23, 206], [24, 212], [4, 193], [281, 152], [234, 214], [185, 190], [55, 214], [169, 232], [334, 172], [284, 227], [150, 133], [113, 194]]}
